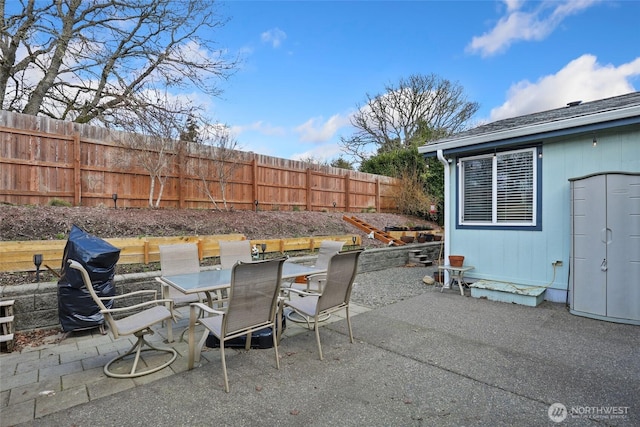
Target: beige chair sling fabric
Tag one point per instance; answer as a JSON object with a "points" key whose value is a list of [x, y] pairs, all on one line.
{"points": [[252, 305], [314, 283], [233, 251], [181, 258]]}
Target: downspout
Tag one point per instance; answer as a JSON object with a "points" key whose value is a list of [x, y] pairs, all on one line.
{"points": [[447, 211]]}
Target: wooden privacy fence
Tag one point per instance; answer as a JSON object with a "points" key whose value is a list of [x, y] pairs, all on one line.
{"points": [[18, 256], [42, 159]]}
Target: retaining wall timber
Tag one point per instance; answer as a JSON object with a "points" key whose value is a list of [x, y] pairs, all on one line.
{"points": [[36, 304]]}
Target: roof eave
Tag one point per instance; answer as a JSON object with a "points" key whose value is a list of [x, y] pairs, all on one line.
{"points": [[531, 130]]}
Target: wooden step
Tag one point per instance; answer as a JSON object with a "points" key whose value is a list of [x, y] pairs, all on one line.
{"points": [[378, 234]]}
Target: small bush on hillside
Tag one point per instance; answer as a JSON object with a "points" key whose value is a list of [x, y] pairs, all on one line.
{"points": [[58, 202]]}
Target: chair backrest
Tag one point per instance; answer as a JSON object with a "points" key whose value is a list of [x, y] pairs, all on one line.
{"points": [[341, 273], [253, 294], [232, 251], [181, 258], [87, 283], [328, 248]]}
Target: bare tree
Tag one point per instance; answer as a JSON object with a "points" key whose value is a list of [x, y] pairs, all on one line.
{"points": [[392, 119], [217, 157], [153, 139], [85, 61]]}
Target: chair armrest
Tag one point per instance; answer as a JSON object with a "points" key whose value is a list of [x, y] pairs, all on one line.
{"points": [[318, 276], [300, 292], [142, 292], [205, 307], [154, 302], [194, 314]]}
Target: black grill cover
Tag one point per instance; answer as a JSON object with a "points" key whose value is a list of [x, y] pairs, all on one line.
{"points": [[76, 308]]}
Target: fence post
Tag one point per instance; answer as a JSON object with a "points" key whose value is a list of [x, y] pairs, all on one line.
{"points": [[77, 172], [378, 195], [347, 192], [180, 175], [254, 172], [309, 207]]}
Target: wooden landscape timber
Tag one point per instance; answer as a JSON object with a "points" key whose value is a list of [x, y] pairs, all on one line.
{"points": [[17, 256]]}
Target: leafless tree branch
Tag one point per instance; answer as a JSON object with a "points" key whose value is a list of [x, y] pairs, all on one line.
{"points": [[83, 60]]}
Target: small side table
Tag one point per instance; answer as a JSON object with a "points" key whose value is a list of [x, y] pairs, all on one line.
{"points": [[456, 274]]}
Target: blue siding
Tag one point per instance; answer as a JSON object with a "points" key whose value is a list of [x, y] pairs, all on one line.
{"points": [[525, 257]]}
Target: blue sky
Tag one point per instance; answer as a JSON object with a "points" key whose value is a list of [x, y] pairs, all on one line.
{"points": [[307, 65]]}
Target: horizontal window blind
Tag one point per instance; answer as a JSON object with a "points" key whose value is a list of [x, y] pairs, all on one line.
{"points": [[498, 189], [477, 190], [514, 196]]}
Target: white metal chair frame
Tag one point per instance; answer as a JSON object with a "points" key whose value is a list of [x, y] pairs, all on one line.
{"points": [[335, 296], [315, 282], [147, 314]]}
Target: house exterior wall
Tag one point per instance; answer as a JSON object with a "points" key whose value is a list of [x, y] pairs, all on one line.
{"points": [[526, 257]]}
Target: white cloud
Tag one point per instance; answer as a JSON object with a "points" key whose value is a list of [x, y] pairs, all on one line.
{"points": [[323, 153], [513, 4], [582, 79], [275, 36], [260, 127], [314, 130], [518, 24]]}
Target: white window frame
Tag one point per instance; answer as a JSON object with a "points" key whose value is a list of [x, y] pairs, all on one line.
{"points": [[495, 222]]}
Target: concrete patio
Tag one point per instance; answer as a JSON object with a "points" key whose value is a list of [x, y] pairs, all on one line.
{"points": [[431, 359]]}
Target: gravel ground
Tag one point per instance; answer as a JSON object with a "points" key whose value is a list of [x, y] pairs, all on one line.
{"points": [[379, 288]]}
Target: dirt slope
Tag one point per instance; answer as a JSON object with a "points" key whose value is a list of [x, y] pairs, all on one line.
{"points": [[54, 223]]}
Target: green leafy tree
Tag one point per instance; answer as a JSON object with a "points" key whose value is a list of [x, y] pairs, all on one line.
{"points": [[342, 163], [419, 189]]}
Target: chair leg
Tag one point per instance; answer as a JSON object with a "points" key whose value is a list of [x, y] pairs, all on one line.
{"points": [[247, 341], [169, 324], [194, 350], [138, 348], [224, 366], [318, 336], [275, 346], [349, 324]]}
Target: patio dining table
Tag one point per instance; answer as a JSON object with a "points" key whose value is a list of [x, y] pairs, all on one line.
{"points": [[215, 281], [209, 281]]}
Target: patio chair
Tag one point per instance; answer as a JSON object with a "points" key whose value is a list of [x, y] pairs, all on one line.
{"points": [[144, 316], [315, 282], [232, 251], [335, 295], [252, 306], [181, 258]]}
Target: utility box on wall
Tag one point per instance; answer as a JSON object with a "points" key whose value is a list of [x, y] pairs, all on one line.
{"points": [[605, 247]]}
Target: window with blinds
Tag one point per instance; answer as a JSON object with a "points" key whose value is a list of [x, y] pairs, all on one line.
{"points": [[499, 189]]}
